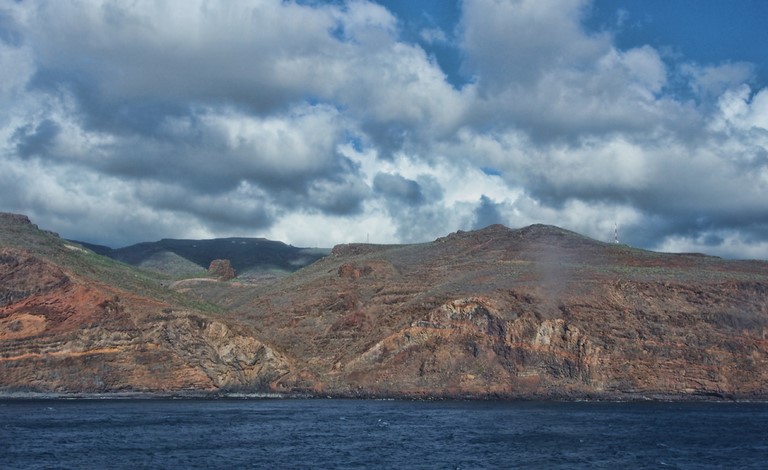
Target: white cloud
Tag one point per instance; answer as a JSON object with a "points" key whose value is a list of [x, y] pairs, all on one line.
{"points": [[741, 110], [433, 35], [515, 42], [538, 70], [713, 80], [294, 144], [725, 243], [317, 124]]}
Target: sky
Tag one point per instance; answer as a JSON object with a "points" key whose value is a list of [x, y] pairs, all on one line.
{"points": [[392, 121]]}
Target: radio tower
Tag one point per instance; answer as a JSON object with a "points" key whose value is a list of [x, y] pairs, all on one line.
{"points": [[616, 233]]}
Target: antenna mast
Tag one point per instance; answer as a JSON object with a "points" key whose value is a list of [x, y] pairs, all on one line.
{"points": [[616, 233]]}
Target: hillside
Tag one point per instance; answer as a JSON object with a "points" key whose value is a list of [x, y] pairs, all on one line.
{"points": [[251, 257], [537, 312], [75, 322], [534, 312]]}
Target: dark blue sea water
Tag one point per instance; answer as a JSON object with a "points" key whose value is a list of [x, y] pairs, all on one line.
{"points": [[274, 433]]}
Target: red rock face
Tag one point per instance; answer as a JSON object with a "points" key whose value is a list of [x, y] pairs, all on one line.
{"points": [[66, 333], [222, 269], [23, 275], [86, 337]]}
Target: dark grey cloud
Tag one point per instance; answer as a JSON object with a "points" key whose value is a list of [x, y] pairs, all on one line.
{"points": [[398, 188], [338, 197], [246, 206], [487, 213], [10, 31], [415, 206], [36, 139], [121, 53]]}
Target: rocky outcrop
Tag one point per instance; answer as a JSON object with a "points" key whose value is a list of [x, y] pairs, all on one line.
{"points": [[7, 218], [232, 358], [222, 269], [352, 271], [23, 275], [466, 347], [78, 339]]}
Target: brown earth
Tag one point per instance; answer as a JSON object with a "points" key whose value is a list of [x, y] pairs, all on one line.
{"points": [[538, 312]]}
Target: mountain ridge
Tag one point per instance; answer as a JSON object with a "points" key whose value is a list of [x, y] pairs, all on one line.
{"points": [[73, 322], [190, 257], [537, 312]]}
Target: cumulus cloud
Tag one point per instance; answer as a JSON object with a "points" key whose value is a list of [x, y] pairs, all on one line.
{"points": [[321, 122], [539, 71], [711, 81]]}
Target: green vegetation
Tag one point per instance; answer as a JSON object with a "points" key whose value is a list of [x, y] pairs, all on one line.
{"points": [[86, 263], [191, 258]]}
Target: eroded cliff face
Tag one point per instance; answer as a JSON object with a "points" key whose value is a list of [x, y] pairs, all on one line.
{"points": [[535, 313], [497, 313], [61, 333], [479, 346], [22, 275], [465, 346]]}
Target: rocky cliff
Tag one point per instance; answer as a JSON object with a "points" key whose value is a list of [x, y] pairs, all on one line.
{"points": [[64, 331], [538, 312], [535, 312]]}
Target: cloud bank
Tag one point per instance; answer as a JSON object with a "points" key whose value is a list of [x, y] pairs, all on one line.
{"points": [[321, 122]]}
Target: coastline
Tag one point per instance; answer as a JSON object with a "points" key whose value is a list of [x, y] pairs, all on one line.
{"points": [[196, 395]]}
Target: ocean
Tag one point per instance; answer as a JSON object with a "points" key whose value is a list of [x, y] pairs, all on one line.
{"points": [[351, 434]]}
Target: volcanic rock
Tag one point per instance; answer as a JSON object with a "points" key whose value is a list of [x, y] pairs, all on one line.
{"points": [[23, 275], [73, 322], [536, 312], [14, 219], [222, 269], [354, 272]]}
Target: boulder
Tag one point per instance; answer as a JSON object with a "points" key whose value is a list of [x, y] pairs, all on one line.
{"points": [[222, 269]]}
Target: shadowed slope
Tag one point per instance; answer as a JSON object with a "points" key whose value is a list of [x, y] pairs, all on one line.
{"points": [[249, 256]]}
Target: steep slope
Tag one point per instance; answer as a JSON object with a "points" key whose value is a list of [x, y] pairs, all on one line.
{"points": [[251, 257], [535, 312], [538, 312], [72, 321]]}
